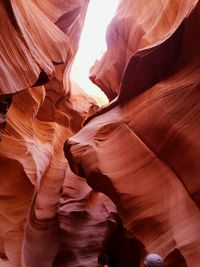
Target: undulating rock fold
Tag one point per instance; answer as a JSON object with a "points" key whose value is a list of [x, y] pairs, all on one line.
{"points": [[78, 181], [137, 27], [85, 218], [46, 109], [142, 151], [36, 42]]}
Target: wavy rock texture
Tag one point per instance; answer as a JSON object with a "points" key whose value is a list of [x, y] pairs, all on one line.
{"points": [[138, 25], [89, 225], [39, 40], [30, 30], [74, 237], [85, 218], [143, 149]]}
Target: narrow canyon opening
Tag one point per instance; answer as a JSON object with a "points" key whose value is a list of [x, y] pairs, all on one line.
{"points": [[82, 183], [93, 45]]}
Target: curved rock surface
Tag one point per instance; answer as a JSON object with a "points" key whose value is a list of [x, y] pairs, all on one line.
{"points": [[74, 237], [142, 150], [139, 154], [137, 26], [29, 38], [45, 37]]}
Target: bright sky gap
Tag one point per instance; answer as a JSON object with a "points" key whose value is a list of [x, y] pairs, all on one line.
{"points": [[92, 45]]}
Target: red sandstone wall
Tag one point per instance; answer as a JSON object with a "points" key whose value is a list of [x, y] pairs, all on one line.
{"points": [[142, 150], [39, 41]]}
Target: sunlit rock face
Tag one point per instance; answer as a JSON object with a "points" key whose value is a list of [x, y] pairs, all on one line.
{"points": [[139, 155], [39, 40], [143, 149], [138, 25], [24, 36]]}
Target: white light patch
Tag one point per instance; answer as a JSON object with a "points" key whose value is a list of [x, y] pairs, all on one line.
{"points": [[92, 45]]}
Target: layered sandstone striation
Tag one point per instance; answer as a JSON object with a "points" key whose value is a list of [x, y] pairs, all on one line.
{"points": [[137, 26], [142, 149], [133, 186], [38, 42]]}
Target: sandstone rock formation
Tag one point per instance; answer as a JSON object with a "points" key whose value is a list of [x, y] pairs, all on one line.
{"points": [[4, 106], [39, 40], [137, 26], [142, 149], [135, 182]]}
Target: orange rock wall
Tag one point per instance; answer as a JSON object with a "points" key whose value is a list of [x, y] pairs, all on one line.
{"points": [[139, 154], [142, 150], [39, 41], [137, 26]]}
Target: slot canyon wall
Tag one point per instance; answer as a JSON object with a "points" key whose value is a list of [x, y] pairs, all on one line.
{"points": [[38, 42], [133, 184], [142, 149]]}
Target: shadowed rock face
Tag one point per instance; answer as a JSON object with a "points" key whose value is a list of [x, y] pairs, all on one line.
{"points": [[39, 41], [137, 27], [4, 106], [135, 182], [142, 150]]}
